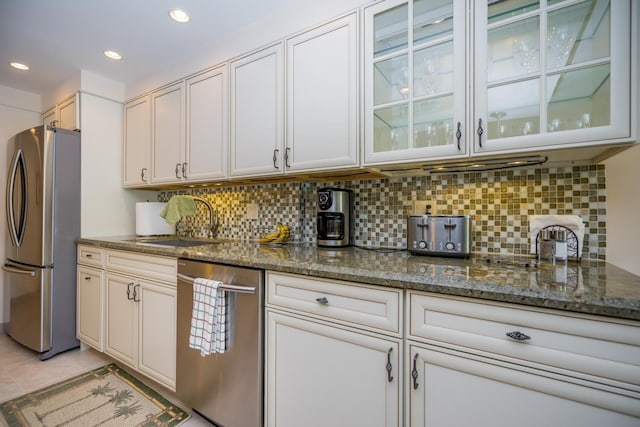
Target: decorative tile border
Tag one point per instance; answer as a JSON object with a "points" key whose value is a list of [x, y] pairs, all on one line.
{"points": [[499, 203]]}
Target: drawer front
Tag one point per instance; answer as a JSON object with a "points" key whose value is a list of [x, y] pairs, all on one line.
{"points": [[91, 255], [354, 304], [602, 348], [143, 266]]}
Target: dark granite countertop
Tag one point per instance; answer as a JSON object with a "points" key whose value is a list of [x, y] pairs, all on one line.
{"points": [[592, 287]]}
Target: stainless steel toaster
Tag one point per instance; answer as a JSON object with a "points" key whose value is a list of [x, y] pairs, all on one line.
{"points": [[441, 235]]}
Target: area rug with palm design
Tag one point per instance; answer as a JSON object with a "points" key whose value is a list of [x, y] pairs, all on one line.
{"points": [[106, 396]]}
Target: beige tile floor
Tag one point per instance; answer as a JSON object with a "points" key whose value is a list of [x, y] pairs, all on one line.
{"points": [[22, 372]]}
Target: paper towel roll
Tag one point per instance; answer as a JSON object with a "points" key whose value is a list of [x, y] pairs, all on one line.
{"points": [[149, 222]]}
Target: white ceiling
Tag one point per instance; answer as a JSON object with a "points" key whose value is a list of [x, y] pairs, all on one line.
{"points": [[58, 38]]}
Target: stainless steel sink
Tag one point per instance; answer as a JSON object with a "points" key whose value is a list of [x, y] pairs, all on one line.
{"points": [[175, 242]]}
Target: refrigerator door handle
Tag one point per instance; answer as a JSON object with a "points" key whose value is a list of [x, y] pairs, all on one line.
{"points": [[17, 172], [10, 269]]}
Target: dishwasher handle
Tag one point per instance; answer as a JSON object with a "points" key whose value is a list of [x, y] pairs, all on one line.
{"points": [[223, 286]]}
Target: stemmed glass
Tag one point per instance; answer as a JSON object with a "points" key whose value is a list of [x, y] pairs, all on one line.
{"points": [[498, 115]]}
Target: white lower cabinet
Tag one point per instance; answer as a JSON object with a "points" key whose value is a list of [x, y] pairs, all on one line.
{"points": [[121, 319], [491, 364], [90, 296], [322, 371], [89, 313], [453, 388], [141, 326], [157, 332], [138, 299]]}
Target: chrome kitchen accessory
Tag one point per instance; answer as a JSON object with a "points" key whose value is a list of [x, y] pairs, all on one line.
{"points": [[335, 217], [443, 235], [557, 242]]}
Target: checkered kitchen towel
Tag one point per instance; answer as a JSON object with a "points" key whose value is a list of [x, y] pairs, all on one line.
{"points": [[208, 320]]}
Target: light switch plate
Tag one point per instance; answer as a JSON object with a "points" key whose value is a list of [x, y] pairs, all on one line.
{"points": [[252, 211]]}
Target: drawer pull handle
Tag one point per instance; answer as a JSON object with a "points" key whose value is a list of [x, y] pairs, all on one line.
{"points": [[414, 372], [87, 277], [389, 365], [518, 336], [88, 255], [322, 300]]}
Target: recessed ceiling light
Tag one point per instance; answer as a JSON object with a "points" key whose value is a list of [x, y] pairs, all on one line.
{"points": [[19, 66], [179, 15], [112, 54]]}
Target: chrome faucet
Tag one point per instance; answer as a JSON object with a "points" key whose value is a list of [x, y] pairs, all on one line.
{"points": [[213, 224]]}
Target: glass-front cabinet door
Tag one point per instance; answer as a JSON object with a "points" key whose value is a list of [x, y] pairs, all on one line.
{"points": [[414, 80], [550, 73]]}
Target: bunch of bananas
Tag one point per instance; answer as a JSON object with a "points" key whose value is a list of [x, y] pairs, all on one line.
{"points": [[281, 235]]}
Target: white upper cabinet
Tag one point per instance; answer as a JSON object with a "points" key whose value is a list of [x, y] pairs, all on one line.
{"points": [[322, 97], [511, 76], [137, 143], [69, 112], [49, 116], [256, 113], [207, 126], [167, 137], [551, 73], [65, 115], [414, 80]]}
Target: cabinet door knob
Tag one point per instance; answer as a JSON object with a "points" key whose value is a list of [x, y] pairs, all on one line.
{"points": [[389, 366], [322, 300], [518, 336]]}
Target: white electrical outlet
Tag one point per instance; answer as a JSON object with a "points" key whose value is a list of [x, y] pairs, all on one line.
{"points": [[252, 211]]}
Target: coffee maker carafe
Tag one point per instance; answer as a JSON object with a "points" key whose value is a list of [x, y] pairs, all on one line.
{"points": [[335, 217]]}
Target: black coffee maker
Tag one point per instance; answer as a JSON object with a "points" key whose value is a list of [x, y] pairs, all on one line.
{"points": [[335, 217]]}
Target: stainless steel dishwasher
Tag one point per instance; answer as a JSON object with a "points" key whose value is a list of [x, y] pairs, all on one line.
{"points": [[226, 388]]}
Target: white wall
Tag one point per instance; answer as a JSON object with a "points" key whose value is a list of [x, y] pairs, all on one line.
{"points": [[623, 209], [623, 194], [107, 208], [19, 110]]}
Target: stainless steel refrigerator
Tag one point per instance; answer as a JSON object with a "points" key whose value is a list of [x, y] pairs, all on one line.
{"points": [[43, 220]]}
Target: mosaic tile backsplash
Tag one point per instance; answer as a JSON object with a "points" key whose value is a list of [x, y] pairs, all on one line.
{"points": [[499, 203]]}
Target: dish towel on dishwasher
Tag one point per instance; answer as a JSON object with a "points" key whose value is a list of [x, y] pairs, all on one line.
{"points": [[209, 317]]}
